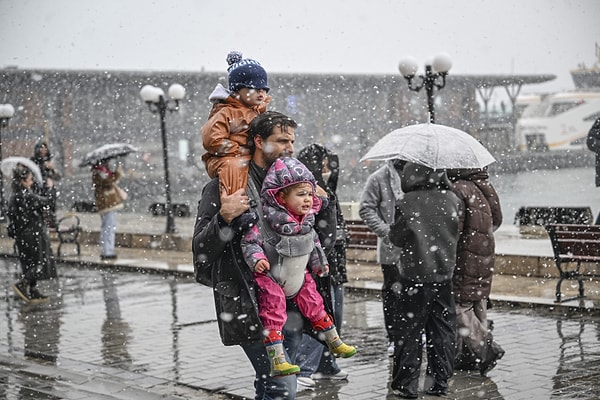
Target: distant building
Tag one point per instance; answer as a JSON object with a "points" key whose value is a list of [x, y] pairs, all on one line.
{"points": [[80, 110]]}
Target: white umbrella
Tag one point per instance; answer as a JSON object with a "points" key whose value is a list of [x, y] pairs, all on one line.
{"points": [[432, 145], [106, 152], [9, 163]]}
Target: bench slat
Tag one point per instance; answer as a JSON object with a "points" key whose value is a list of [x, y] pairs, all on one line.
{"points": [[573, 243]]}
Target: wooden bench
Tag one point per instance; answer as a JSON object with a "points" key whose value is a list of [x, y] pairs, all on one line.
{"points": [[361, 237], [532, 220], [574, 243]]}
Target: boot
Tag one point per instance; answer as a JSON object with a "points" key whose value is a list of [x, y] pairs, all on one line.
{"points": [[21, 290], [336, 346], [279, 364], [36, 296]]}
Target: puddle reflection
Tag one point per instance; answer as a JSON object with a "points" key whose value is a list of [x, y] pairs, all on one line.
{"points": [[115, 331]]}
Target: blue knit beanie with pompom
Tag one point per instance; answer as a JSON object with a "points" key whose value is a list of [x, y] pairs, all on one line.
{"points": [[245, 73]]}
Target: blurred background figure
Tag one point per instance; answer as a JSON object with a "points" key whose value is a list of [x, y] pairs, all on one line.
{"points": [[31, 236], [43, 158], [109, 199], [593, 143], [314, 358]]}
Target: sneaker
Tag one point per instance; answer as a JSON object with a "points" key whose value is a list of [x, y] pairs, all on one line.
{"points": [[306, 382], [22, 292], [390, 349], [339, 376], [36, 296], [405, 394]]}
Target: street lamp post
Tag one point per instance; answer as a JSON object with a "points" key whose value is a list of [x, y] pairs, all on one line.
{"points": [[435, 77], [6, 113], [155, 98]]}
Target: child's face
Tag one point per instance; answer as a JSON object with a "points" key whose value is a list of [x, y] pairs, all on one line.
{"points": [[251, 97], [299, 199]]}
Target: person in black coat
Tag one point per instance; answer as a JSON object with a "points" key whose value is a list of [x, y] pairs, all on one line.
{"points": [[31, 236], [218, 261], [593, 143], [315, 359], [426, 229], [47, 188]]}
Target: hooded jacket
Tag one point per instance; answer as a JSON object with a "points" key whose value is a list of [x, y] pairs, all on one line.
{"points": [[226, 131], [476, 246], [312, 157], [283, 173], [427, 226]]}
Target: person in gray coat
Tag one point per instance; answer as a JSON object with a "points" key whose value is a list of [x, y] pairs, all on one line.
{"points": [[381, 194]]}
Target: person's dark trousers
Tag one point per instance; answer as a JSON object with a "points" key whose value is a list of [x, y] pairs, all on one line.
{"points": [[425, 308], [391, 275]]}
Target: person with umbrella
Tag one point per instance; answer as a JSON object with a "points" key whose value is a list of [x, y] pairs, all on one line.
{"points": [[31, 237], [109, 199], [426, 230]]}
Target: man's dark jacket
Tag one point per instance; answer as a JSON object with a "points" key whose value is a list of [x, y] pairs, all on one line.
{"points": [[593, 143], [218, 263]]}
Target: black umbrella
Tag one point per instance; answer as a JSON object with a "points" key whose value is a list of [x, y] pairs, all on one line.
{"points": [[106, 152]]}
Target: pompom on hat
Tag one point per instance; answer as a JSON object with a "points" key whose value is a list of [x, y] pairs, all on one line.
{"points": [[245, 73]]}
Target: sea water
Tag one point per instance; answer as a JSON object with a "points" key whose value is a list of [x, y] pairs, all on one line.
{"points": [[566, 187]]}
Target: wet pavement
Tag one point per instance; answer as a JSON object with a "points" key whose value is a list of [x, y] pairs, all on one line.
{"points": [[127, 333]]}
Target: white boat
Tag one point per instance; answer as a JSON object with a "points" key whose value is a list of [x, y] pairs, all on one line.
{"points": [[559, 121]]}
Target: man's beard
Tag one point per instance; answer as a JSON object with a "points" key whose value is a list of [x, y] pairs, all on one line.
{"points": [[270, 158]]}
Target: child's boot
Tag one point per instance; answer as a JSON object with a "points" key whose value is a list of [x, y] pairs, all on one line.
{"points": [[336, 346], [279, 364]]}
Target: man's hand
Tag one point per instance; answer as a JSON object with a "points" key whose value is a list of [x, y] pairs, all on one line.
{"points": [[262, 266], [233, 205], [321, 192]]}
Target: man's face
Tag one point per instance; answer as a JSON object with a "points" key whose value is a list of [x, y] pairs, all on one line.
{"points": [[279, 144]]}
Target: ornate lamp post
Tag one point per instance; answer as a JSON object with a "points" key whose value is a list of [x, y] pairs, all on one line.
{"points": [[6, 113], [155, 98], [435, 77]]}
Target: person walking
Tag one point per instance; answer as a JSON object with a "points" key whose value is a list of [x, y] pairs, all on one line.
{"points": [[28, 227], [382, 192], [314, 358], [426, 230], [218, 262], [472, 280], [109, 199], [593, 143], [285, 255], [43, 158]]}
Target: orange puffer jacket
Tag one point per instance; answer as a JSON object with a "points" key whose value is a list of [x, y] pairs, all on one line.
{"points": [[226, 131]]}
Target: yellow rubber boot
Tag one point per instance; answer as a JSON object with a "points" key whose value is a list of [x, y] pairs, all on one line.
{"points": [[336, 346], [279, 363]]}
